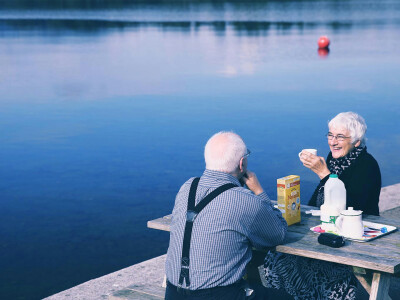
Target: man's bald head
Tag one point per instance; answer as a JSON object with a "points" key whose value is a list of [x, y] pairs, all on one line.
{"points": [[223, 152]]}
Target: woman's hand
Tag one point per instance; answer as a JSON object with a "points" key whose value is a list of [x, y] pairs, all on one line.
{"points": [[315, 163]]}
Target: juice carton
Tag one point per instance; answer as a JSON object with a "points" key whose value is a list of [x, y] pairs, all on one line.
{"points": [[289, 198]]}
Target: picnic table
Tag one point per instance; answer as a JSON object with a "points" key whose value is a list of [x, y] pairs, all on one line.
{"points": [[373, 262]]}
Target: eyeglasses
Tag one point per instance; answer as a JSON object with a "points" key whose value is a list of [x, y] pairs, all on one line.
{"points": [[247, 154], [339, 137]]}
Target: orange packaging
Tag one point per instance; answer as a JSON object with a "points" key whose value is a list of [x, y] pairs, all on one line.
{"points": [[289, 198]]}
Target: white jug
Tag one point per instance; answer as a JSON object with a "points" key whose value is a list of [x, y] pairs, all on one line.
{"points": [[329, 213], [349, 224], [335, 192]]}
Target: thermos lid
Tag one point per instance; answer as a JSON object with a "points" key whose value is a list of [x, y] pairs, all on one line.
{"points": [[351, 212]]}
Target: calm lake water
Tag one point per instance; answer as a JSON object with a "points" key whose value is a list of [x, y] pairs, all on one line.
{"points": [[105, 109]]}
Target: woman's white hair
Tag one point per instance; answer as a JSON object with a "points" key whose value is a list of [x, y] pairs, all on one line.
{"points": [[354, 123], [223, 152]]}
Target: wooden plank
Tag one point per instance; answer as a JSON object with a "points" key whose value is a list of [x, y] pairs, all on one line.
{"points": [[351, 260], [386, 248], [391, 241], [163, 223], [382, 220], [295, 243], [365, 282], [380, 286], [145, 294], [366, 279], [304, 246], [382, 246]]}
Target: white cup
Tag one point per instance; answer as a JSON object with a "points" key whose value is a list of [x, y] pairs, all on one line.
{"points": [[312, 151]]}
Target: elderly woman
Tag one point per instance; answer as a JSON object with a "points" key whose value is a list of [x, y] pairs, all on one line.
{"points": [[305, 278], [350, 160]]}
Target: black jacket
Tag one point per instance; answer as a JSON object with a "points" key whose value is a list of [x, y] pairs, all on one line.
{"points": [[362, 180]]}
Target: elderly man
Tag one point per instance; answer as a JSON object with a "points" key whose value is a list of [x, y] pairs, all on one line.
{"points": [[216, 222]]}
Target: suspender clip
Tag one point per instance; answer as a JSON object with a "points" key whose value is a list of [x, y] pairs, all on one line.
{"points": [[191, 216]]}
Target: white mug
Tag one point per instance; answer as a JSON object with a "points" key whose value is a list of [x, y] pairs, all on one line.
{"points": [[312, 151]]}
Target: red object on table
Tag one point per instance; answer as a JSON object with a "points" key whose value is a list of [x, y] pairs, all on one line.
{"points": [[323, 42]]}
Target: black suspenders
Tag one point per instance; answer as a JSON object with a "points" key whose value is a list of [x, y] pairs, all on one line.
{"points": [[191, 214]]}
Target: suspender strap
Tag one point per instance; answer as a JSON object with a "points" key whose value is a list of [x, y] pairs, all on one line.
{"points": [[213, 195], [192, 193], [191, 214]]}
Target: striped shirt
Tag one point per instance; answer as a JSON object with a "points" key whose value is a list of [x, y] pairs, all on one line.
{"points": [[223, 232]]}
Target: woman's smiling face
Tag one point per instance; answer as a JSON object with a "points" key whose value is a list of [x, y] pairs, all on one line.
{"points": [[339, 141]]}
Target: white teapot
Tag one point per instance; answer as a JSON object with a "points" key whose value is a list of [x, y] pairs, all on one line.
{"points": [[349, 223]]}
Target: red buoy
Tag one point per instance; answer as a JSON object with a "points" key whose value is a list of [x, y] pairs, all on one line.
{"points": [[323, 52], [323, 42]]}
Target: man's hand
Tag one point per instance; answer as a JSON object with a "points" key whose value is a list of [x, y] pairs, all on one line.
{"points": [[252, 183], [315, 163]]}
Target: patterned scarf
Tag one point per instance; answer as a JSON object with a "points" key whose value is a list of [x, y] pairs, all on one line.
{"points": [[338, 165]]}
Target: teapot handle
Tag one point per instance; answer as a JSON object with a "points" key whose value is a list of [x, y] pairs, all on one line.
{"points": [[339, 223]]}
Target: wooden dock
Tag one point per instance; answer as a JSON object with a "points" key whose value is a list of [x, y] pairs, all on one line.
{"points": [[144, 280]]}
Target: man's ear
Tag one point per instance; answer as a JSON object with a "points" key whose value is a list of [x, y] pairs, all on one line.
{"points": [[357, 144], [241, 164]]}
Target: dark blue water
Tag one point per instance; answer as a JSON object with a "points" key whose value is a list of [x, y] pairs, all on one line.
{"points": [[105, 108]]}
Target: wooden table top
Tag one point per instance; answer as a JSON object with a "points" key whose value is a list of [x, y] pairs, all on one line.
{"points": [[381, 254]]}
